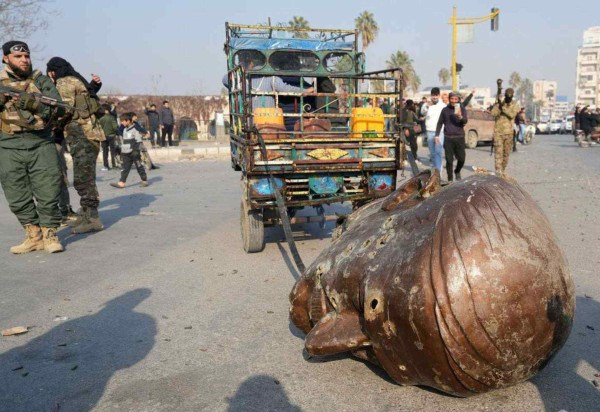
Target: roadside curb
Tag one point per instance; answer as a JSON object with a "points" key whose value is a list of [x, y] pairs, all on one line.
{"points": [[178, 153], [174, 154]]}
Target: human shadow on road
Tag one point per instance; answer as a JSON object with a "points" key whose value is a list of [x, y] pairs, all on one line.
{"points": [[111, 211], [562, 385], [261, 393], [68, 367], [126, 206]]}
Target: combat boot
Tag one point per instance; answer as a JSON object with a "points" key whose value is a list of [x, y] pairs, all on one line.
{"points": [[33, 241], [69, 217], [51, 242], [75, 219], [90, 222]]}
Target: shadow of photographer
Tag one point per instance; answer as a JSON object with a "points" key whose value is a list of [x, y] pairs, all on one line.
{"points": [[68, 367]]}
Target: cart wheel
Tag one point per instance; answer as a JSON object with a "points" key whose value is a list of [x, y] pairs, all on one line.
{"points": [[472, 139], [253, 229]]}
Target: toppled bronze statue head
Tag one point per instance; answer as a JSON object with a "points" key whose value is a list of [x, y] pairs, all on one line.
{"points": [[461, 288]]}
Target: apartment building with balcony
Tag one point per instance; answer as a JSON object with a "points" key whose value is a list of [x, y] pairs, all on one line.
{"points": [[587, 84], [544, 95]]}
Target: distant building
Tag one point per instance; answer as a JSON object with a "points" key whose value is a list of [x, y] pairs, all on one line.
{"points": [[544, 94], [587, 83], [562, 107]]}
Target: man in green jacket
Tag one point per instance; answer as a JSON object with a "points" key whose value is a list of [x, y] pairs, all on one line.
{"points": [[29, 165], [109, 126]]}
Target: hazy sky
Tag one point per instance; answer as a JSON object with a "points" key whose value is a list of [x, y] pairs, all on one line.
{"points": [[175, 47]]}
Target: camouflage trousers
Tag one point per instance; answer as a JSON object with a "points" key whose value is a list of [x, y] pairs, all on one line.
{"points": [[503, 145], [85, 153], [64, 200]]}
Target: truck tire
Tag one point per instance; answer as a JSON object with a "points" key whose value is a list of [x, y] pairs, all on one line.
{"points": [[252, 228], [472, 139]]}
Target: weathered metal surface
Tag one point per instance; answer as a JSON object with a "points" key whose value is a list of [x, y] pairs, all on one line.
{"points": [[327, 154], [461, 288]]}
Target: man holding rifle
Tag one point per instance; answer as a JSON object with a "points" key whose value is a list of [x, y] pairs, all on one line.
{"points": [[29, 166], [504, 111]]}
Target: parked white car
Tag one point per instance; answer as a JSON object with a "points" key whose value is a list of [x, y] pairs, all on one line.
{"points": [[542, 127], [555, 126]]}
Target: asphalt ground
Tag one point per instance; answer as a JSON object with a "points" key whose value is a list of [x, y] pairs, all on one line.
{"points": [[164, 311]]}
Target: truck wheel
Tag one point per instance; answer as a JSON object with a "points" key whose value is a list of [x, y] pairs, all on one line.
{"points": [[472, 139], [252, 228]]}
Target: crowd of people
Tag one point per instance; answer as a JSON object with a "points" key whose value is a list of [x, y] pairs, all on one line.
{"points": [[46, 116], [441, 120]]}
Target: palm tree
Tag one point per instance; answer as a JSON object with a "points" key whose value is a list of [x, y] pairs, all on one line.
{"points": [[367, 28], [403, 61], [299, 22], [514, 80], [444, 76]]}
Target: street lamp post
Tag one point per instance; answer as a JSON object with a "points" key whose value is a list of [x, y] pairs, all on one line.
{"points": [[455, 22]]}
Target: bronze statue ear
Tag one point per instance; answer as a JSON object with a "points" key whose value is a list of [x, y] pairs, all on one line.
{"points": [[412, 187], [300, 298], [336, 333]]}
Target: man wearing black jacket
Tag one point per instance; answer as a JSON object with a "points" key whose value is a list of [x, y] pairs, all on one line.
{"points": [[167, 122], [453, 118], [587, 122], [153, 124]]}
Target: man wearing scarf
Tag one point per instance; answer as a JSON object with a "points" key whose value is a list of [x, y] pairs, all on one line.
{"points": [[29, 166], [84, 135], [504, 112]]}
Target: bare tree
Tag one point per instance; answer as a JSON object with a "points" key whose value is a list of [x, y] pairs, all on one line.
{"points": [[19, 19]]}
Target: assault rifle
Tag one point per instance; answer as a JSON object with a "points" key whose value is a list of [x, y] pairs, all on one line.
{"points": [[499, 101], [38, 97]]}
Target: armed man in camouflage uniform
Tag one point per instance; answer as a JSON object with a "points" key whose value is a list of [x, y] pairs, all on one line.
{"points": [[29, 165], [504, 112], [84, 135]]}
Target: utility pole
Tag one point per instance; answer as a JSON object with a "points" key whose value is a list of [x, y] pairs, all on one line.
{"points": [[453, 64], [455, 22]]}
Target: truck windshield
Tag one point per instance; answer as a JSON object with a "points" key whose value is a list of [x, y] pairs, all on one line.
{"points": [[302, 61]]}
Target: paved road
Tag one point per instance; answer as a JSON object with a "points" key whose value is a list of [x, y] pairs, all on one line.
{"points": [[163, 310]]}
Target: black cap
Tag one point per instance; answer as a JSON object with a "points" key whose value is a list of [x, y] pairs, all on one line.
{"points": [[14, 46]]}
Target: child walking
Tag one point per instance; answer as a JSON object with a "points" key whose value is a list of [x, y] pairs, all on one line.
{"points": [[130, 152]]}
